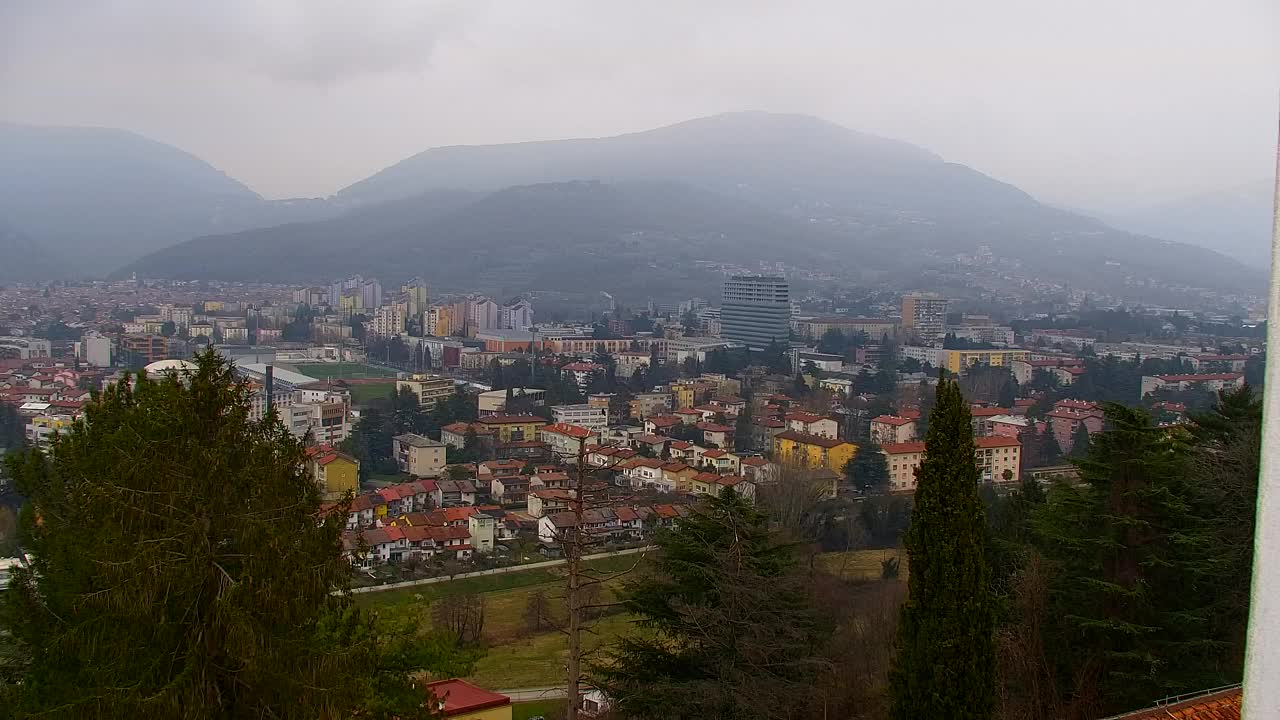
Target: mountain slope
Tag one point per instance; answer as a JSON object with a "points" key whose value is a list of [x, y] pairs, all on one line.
{"points": [[579, 235], [786, 162], [740, 188], [1235, 221], [103, 196], [22, 258]]}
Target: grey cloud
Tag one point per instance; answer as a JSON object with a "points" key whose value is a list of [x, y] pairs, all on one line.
{"points": [[1087, 103]]}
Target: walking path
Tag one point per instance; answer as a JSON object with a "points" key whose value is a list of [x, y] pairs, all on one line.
{"points": [[495, 571], [553, 692]]}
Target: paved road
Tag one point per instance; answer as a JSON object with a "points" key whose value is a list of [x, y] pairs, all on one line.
{"points": [[495, 571], [553, 692]]}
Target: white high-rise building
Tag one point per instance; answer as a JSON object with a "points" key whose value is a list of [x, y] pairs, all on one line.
{"points": [[756, 311], [96, 349]]}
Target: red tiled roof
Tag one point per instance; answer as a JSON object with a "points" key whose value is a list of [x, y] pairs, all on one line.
{"points": [[460, 696], [712, 427], [996, 441], [893, 420], [807, 439], [714, 453], [989, 411], [755, 461], [643, 462], [1076, 404], [1225, 705], [573, 431], [679, 445], [1074, 414], [664, 420], [903, 448]]}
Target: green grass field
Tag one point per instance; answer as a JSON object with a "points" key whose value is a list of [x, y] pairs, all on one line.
{"points": [[524, 581], [343, 370], [517, 659], [365, 393], [860, 564], [539, 660], [545, 708]]}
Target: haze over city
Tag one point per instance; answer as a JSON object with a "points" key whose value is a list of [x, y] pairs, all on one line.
{"points": [[581, 360], [1097, 105]]}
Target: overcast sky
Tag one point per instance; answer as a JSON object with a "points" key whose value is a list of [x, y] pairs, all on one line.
{"points": [[1088, 102]]}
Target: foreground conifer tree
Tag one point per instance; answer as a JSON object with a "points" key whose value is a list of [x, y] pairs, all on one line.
{"points": [[183, 569], [945, 661]]}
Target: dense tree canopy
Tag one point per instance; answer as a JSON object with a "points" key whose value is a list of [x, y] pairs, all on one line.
{"points": [[734, 632], [183, 569]]}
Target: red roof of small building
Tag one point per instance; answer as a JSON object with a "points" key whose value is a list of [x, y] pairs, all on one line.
{"points": [[460, 696], [989, 411], [996, 441], [807, 439], [916, 446], [573, 431], [712, 427]]}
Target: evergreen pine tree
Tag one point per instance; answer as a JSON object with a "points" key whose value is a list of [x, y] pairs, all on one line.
{"points": [[1132, 561], [183, 568], [735, 633], [742, 431], [867, 468], [945, 661], [1080, 441], [1225, 470]]}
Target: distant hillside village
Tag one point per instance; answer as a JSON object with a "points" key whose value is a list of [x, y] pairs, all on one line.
{"points": [[462, 428]]}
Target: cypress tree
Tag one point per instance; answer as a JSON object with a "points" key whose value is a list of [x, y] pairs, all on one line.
{"points": [[945, 662], [183, 568]]}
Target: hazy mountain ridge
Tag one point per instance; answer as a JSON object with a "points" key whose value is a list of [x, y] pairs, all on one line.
{"points": [[1235, 221], [101, 197], [24, 258], [577, 235], [779, 187]]}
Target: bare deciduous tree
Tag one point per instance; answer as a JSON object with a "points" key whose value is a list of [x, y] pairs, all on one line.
{"points": [[462, 616]]}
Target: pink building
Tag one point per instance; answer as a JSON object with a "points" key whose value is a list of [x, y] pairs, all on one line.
{"points": [[1066, 417]]}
